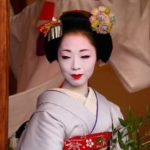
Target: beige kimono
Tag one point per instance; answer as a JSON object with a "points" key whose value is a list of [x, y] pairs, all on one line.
{"points": [[62, 114]]}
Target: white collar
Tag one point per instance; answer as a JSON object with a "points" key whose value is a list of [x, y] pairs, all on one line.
{"points": [[89, 102]]}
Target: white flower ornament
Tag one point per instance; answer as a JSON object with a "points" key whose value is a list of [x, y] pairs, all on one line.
{"points": [[89, 143]]}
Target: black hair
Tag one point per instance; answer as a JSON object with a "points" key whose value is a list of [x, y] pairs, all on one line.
{"points": [[78, 22]]}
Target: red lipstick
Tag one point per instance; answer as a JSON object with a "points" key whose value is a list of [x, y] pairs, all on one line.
{"points": [[76, 76]]}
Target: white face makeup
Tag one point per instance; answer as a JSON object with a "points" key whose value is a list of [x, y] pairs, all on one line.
{"points": [[77, 58]]}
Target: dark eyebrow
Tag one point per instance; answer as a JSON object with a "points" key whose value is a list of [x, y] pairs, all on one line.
{"points": [[82, 50], [66, 50]]}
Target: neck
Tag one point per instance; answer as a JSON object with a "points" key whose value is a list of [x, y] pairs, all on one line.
{"points": [[83, 89]]}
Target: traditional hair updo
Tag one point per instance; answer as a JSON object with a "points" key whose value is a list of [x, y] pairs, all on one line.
{"points": [[78, 22]]}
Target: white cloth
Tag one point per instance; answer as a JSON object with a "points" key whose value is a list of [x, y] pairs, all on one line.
{"points": [[23, 104], [66, 5], [59, 117], [131, 38], [29, 69]]}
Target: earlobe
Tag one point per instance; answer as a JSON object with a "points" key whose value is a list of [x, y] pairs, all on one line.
{"points": [[101, 63]]}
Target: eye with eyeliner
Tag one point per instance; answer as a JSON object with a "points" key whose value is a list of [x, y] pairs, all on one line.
{"points": [[65, 57], [85, 56]]}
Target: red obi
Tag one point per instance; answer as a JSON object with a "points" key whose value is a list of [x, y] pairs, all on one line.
{"points": [[88, 142]]}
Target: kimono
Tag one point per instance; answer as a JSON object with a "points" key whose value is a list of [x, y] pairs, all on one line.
{"points": [[63, 114]]}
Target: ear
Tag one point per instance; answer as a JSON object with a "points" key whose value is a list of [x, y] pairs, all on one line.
{"points": [[101, 63]]}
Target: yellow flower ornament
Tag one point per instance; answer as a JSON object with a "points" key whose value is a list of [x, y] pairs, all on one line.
{"points": [[102, 20]]}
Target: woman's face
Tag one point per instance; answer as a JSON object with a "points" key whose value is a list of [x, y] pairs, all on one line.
{"points": [[77, 58]]}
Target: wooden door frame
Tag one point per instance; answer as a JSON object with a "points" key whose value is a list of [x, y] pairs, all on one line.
{"points": [[4, 38]]}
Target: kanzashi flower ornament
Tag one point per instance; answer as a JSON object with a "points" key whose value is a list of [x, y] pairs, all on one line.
{"points": [[102, 20], [53, 26]]}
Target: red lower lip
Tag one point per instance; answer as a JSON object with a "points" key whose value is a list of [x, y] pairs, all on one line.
{"points": [[76, 76]]}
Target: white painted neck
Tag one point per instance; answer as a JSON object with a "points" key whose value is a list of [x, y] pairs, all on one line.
{"points": [[83, 89]]}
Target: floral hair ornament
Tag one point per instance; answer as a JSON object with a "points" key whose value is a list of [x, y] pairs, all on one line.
{"points": [[53, 29], [102, 20]]}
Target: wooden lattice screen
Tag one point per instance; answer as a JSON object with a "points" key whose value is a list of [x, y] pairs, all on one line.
{"points": [[3, 73]]}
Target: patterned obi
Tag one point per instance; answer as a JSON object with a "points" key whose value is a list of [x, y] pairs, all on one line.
{"points": [[88, 142]]}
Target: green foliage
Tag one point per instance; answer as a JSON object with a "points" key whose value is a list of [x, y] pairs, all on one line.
{"points": [[10, 148], [128, 136]]}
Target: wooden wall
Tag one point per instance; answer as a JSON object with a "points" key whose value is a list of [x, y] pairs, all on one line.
{"points": [[106, 82], [3, 73]]}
